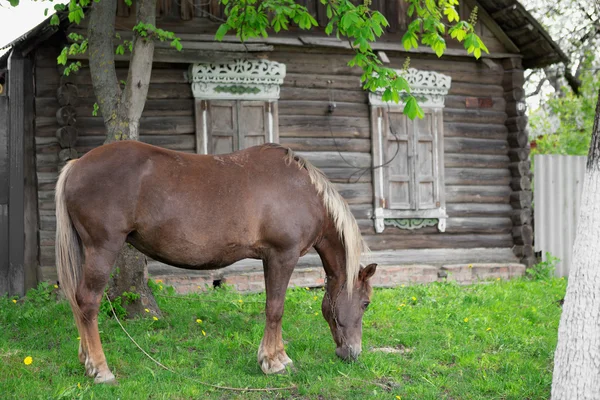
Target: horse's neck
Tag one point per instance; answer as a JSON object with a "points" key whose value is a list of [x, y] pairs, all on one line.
{"points": [[333, 255]]}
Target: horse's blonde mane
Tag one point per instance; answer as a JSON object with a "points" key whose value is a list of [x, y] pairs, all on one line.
{"points": [[339, 211]]}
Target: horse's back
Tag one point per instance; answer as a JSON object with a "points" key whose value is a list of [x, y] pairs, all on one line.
{"points": [[194, 210]]}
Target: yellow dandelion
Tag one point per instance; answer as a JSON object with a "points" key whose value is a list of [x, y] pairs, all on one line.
{"points": [[413, 298], [155, 318], [28, 360], [203, 333], [307, 288], [199, 321], [14, 301], [399, 398], [55, 286], [159, 281], [402, 305], [466, 319], [317, 313], [78, 385], [240, 301], [78, 337], [403, 285], [498, 279], [470, 265], [488, 329], [145, 309], [160, 287], [315, 298]]}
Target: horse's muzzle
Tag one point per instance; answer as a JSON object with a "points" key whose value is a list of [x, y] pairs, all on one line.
{"points": [[348, 353]]}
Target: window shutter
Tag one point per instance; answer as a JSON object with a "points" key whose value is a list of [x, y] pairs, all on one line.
{"points": [[399, 156], [222, 121], [426, 162], [253, 117]]}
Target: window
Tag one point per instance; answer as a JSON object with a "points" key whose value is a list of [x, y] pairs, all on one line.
{"points": [[408, 156], [236, 104]]}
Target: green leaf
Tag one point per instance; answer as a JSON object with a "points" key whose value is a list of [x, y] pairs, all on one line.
{"points": [[13, 3], [54, 20], [120, 50], [223, 29], [412, 108]]}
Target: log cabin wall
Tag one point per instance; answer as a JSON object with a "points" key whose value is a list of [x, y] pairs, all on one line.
{"points": [[477, 166], [476, 160]]}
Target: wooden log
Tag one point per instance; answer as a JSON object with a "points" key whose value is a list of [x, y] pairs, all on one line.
{"points": [[521, 168], [523, 251], [515, 94], [66, 116], [300, 93], [67, 154], [356, 193], [478, 225], [515, 124], [67, 136], [465, 160], [475, 146], [305, 80], [497, 104], [477, 194], [478, 210], [327, 144], [67, 94], [518, 139], [348, 174], [475, 89], [523, 235], [522, 217], [321, 108], [519, 154], [474, 116], [514, 62], [334, 159], [513, 78], [438, 240], [521, 199], [476, 131], [477, 176], [520, 183], [516, 108]]}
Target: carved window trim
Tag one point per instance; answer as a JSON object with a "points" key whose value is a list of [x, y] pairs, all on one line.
{"points": [[241, 79], [430, 88]]}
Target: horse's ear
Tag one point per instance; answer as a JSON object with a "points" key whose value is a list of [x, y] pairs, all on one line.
{"points": [[367, 272]]}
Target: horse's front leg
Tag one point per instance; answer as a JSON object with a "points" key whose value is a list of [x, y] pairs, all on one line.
{"points": [[271, 354]]}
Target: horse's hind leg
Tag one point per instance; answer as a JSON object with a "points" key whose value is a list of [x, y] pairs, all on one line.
{"points": [[96, 273], [278, 269]]}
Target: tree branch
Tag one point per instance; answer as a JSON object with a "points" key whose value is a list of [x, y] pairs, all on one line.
{"points": [[538, 88]]}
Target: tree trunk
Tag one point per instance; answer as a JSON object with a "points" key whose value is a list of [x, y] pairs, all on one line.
{"points": [[121, 110], [577, 357]]}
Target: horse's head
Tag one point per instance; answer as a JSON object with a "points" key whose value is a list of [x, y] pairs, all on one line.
{"points": [[344, 314]]}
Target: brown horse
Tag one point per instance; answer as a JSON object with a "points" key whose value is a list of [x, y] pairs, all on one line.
{"points": [[207, 212]]}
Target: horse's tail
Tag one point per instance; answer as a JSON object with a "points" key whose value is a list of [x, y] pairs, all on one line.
{"points": [[68, 244], [342, 217]]}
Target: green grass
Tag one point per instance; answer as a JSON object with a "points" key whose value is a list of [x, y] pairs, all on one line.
{"points": [[486, 341]]}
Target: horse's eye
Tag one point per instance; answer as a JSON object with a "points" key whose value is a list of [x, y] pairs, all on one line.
{"points": [[365, 305]]}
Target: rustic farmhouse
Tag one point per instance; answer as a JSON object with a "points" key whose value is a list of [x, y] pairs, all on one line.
{"points": [[447, 196]]}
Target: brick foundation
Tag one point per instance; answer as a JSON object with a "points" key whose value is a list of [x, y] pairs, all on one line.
{"points": [[251, 280]]}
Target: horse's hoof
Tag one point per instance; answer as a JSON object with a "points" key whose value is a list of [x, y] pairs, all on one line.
{"points": [[273, 367], [106, 379]]}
